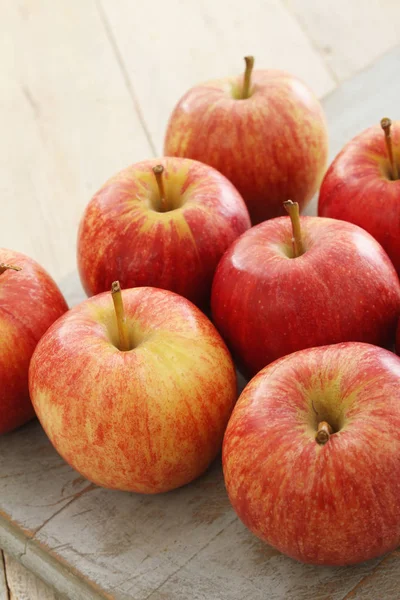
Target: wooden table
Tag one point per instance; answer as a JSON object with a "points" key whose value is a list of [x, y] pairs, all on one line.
{"points": [[90, 543]]}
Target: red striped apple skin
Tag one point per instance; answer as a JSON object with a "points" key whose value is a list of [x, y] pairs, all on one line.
{"points": [[30, 302], [332, 504], [147, 420], [272, 146], [357, 188], [266, 304], [123, 237]]}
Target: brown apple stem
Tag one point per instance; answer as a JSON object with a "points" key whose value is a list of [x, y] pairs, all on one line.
{"points": [[386, 125], [4, 267], [158, 171], [292, 208], [324, 432], [249, 60], [120, 315]]}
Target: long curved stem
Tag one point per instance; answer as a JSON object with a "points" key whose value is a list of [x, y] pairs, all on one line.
{"points": [[292, 208], [120, 315]]}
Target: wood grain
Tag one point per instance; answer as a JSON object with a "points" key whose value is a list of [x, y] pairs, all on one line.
{"points": [[349, 35], [185, 43], [68, 120], [4, 595], [24, 585], [383, 582]]}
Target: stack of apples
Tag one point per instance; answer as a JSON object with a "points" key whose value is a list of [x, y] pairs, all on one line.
{"points": [[136, 387]]}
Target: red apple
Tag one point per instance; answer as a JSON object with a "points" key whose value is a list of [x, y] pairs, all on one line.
{"points": [[270, 298], [267, 135], [362, 186], [138, 402], [166, 229], [30, 302], [398, 338], [311, 455]]}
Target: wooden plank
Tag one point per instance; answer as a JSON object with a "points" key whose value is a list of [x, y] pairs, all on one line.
{"points": [[4, 595], [189, 42], [349, 35], [35, 483], [24, 585], [161, 547], [69, 123]]}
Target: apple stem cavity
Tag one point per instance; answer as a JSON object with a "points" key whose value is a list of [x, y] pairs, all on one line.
{"points": [[4, 267], [158, 171], [120, 315], [249, 60], [386, 125], [324, 432], [292, 208]]}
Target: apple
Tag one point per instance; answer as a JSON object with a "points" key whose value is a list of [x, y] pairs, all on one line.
{"points": [[265, 132], [398, 338], [280, 288], [311, 454], [30, 302], [135, 397], [362, 186], [162, 223]]}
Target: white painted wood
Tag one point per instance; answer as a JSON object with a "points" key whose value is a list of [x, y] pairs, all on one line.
{"points": [[169, 47], [350, 35], [67, 123], [24, 585]]}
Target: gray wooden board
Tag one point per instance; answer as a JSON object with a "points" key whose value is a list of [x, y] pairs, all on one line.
{"points": [[91, 543]]}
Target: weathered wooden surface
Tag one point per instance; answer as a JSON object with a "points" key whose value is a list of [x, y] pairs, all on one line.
{"points": [[350, 35], [94, 543], [23, 585], [4, 595]]}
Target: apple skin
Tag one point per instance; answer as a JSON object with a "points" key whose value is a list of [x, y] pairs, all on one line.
{"points": [[357, 188], [343, 288], [398, 338], [332, 504], [147, 420], [30, 302], [272, 146], [122, 237]]}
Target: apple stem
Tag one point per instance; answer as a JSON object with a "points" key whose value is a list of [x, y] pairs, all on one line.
{"points": [[324, 432], [249, 60], [4, 267], [158, 171], [292, 208], [386, 125], [120, 315]]}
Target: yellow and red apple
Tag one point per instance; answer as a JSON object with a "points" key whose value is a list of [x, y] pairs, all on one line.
{"points": [[311, 455], [362, 186], [163, 223], [271, 298], [30, 302], [265, 132], [136, 398]]}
